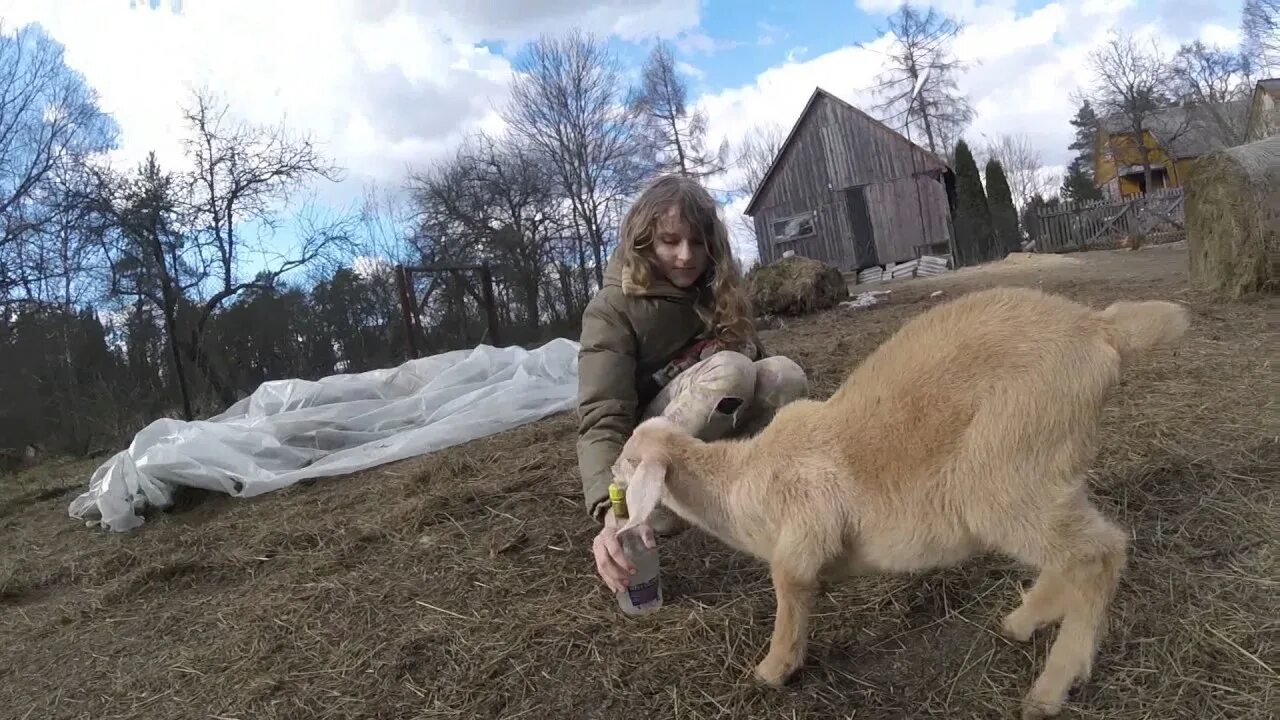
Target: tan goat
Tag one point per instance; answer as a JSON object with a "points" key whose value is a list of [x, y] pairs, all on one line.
{"points": [[968, 431]]}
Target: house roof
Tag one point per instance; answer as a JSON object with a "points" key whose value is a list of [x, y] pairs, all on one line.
{"points": [[1270, 85], [1187, 131], [818, 92]]}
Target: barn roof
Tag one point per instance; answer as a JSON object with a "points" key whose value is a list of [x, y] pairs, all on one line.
{"points": [[809, 106]]}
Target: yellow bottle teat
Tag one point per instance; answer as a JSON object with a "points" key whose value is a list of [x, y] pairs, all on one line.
{"points": [[618, 499]]}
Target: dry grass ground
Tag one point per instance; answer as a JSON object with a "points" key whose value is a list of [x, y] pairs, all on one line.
{"points": [[459, 585]]}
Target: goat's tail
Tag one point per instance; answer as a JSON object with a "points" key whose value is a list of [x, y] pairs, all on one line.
{"points": [[1133, 328]]}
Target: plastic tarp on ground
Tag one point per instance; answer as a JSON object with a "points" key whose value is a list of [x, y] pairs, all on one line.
{"points": [[293, 430]]}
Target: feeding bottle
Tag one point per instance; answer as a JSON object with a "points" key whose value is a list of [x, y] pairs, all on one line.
{"points": [[643, 594]]}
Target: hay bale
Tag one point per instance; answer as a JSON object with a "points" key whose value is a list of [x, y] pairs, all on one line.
{"points": [[795, 286], [1233, 219]]}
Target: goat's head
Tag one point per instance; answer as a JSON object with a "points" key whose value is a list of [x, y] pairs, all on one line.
{"points": [[642, 467]]}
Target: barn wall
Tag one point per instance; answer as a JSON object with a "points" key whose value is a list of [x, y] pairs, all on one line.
{"points": [[937, 210], [836, 148], [800, 185], [897, 216], [825, 244]]}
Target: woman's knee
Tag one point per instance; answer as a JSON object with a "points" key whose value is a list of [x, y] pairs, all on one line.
{"points": [[729, 375], [779, 380]]}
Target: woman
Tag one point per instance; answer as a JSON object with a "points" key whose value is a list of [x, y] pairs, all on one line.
{"points": [[670, 333]]}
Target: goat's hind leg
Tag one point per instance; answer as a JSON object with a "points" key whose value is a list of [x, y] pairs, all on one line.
{"points": [[1087, 551]]}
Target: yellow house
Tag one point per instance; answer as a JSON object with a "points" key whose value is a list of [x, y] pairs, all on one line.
{"points": [[1264, 111], [1173, 136]]}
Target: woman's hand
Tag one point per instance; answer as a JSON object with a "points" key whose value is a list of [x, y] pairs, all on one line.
{"points": [[611, 562]]}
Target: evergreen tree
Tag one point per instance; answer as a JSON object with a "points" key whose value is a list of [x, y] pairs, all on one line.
{"points": [[975, 241], [1004, 215], [674, 135], [1080, 183], [1031, 210], [917, 90]]}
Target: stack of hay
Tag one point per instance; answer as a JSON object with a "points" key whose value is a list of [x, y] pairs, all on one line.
{"points": [[1233, 219], [931, 265], [794, 286]]}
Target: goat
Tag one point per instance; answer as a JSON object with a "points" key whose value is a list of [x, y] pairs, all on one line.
{"points": [[970, 430]]}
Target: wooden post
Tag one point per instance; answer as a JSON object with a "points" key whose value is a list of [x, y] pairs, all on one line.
{"points": [[491, 311], [406, 308]]}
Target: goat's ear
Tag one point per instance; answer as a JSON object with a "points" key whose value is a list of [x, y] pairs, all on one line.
{"points": [[644, 492]]}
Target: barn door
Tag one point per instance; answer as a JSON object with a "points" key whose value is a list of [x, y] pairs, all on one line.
{"points": [[864, 239]]}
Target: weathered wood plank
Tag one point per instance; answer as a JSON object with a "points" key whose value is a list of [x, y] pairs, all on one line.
{"points": [[835, 147]]}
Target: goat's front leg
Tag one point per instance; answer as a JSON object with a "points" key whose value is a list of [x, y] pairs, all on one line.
{"points": [[795, 596]]}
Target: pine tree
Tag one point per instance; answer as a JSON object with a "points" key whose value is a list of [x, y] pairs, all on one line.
{"points": [[1080, 183], [1004, 215], [1030, 212], [674, 135], [975, 241], [918, 86]]}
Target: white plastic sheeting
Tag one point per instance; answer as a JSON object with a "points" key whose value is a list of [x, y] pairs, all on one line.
{"points": [[292, 430]]}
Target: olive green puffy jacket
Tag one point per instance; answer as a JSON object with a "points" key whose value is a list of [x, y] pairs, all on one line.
{"points": [[626, 340]]}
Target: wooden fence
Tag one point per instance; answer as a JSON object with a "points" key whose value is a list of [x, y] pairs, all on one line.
{"points": [[1149, 219]]}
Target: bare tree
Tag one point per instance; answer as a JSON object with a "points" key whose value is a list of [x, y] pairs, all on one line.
{"points": [[755, 154], [1022, 164], [675, 136], [1131, 86], [918, 87], [566, 103], [243, 172], [495, 201], [1260, 25], [1210, 79], [385, 218], [149, 256], [524, 216], [179, 241], [50, 124], [55, 258]]}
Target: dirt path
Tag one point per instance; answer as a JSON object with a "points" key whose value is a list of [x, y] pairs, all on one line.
{"points": [[459, 586]]}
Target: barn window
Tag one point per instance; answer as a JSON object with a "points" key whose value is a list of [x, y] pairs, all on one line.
{"points": [[792, 228]]}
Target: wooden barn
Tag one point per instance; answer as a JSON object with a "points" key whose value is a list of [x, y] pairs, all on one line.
{"points": [[847, 190]]}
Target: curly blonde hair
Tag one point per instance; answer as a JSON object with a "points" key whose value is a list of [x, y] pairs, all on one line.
{"points": [[722, 303]]}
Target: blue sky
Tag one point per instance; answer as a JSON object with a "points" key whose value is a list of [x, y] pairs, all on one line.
{"points": [[386, 85]]}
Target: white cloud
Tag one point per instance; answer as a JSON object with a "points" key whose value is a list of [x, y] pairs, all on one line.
{"points": [[1221, 36], [692, 71], [697, 42], [770, 33], [380, 84], [521, 20], [1090, 8]]}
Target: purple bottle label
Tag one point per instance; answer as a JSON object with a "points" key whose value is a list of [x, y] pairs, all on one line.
{"points": [[642, 594]]}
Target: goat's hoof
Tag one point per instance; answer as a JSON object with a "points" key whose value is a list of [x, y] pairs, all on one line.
{"points": [[1019, 626], [1038, 708], [776, 673]]}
